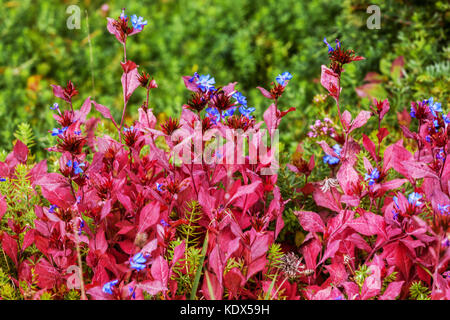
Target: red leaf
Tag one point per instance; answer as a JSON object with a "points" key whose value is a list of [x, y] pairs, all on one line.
{"points": [[152, 287], [331, 250], [149, 216], [113, 30], [347, 177], [9, 246], [130, 80], [329, 80], [20, 151], [233, 280], [47, 275], [28, 239], [369, 224], [372, 284], [56, 189], [310, 221], [3, 206]]}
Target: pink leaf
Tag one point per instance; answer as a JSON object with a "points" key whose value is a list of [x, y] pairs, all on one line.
{"points": [[191, 86], [149, 216], [160, 270], [392, 291], [212, 290], [130, 82], [152, 287], [329, 80], [112, 29], [348, 177], [369, 224], [58, 92], [310, 221], [3, 206], [265, 93], [28, 239], [104, 111], [147, 119], [360, 120]]}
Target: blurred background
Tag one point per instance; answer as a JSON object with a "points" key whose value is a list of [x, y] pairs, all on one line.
{"points": [[249, 41]]}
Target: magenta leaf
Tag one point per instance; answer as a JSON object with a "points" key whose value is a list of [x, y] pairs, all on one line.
{"points": [[9, 246], [310, 221], [265, 93], [149, 216]]}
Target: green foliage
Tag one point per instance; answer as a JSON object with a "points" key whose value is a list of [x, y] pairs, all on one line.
{"points": [[361, 274], [418, 291], [20, 197], [25, 134], [235, 40], [273, 259], [191, 231], [7, 289], [388, 279]]}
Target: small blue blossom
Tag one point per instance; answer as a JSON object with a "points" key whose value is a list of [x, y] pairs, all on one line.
{"points": [[164, 223], [373, 177], [446, 119], [240, 98], [82, 223], [229, 112], [108, 287], [2, 179], [338, 298], [52, 208], [76, 166], [444, 210], [195, 76], [128, 129], [330, 159], [446, 243], [123, 16], [57, 132], [206, 83], [77, 132], [413, 198], [132, 292], [434, 106], [55, 106], [213, 114], [412, 112], [138, 23], [159, 187], [138, 261], [330, 48], [282, 78], [428, 138], [395, 198], [246, 111]]}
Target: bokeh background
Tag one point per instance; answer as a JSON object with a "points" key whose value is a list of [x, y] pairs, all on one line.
{"points": [[249, 41]]}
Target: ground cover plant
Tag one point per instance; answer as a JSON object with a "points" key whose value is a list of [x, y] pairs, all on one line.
{"points": [[179, 210]]}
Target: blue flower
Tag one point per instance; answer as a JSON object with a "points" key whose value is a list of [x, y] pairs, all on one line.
{"points": [[446, 119], [123, 16], [206, 83], [195, 76], [330, 48], [330, 159], [138, 23], [282, 78], [164, 223], [107, 287], [412, 112], [434, 106], [159, 187], [138, 262], [373, 177], [240, 98], [413, 198], [229, 112], [128, 129], [246, 111], [444, 210], [81, 226], [55, 106], [213, 114], [132, 292], [2, 179], [76, 166], [57, 132], [52, 208]]}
